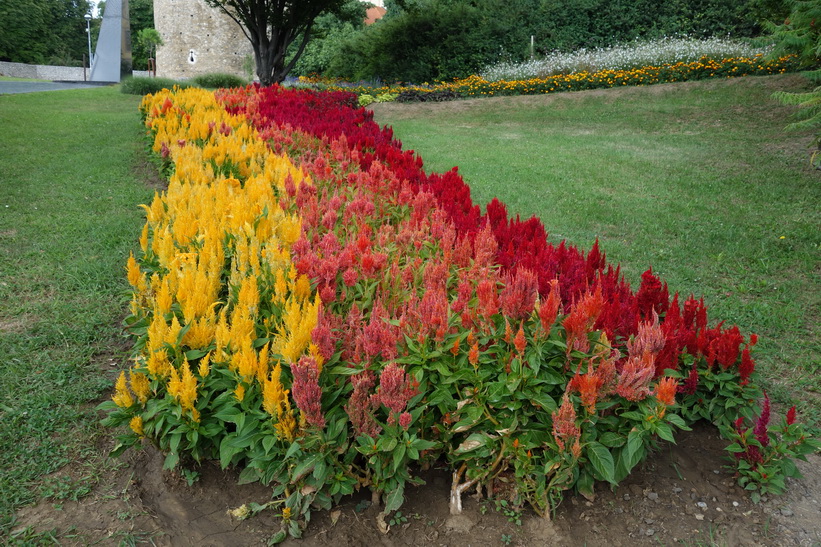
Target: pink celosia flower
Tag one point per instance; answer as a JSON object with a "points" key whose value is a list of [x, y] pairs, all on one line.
{"points": [[518, 297], [396, 388], [565, 429], [405, 420], [650, 338], [306, 390], [361, 405], [635, 377]]}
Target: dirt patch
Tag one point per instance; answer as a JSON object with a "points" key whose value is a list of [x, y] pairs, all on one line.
{"points": [[682, 494]]}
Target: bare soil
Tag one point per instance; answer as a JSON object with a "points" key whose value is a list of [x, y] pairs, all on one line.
{"points": [[683, 494]]}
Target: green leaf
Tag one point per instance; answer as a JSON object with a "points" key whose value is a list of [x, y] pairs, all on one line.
{"points": [[602, 461], [612, 440], [279, 537], [395, 498], [422, 444], [735, 448], [474, 441], [664, 431], [248, 475], [398, 456], [171, 460], [304, 467], [678, 421]]}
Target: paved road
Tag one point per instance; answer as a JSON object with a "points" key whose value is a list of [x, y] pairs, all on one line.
{"points": [[28, 87]]}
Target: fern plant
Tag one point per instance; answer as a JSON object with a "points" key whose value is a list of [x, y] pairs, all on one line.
{"points": [[800, 35]]}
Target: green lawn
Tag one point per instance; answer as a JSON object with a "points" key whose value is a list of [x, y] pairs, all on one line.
{"points": [[697, 180], [68, 218]]}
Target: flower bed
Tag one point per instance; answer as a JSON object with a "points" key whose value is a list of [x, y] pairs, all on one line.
{"points": [[706, 67], [326, 316]]}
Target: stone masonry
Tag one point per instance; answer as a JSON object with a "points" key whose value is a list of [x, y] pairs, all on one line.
{"points": [[198, 39]]}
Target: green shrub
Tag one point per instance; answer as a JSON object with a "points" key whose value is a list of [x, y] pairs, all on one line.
{"points": [[219, 80], [144, 86]]}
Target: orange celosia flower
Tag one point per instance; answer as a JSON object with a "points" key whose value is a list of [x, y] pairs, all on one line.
{"points": [[519, 342], [666, 391], [473, 354], [549, 309]]}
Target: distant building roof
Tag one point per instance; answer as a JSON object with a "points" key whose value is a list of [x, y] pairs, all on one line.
{"points": [[372, 15]]}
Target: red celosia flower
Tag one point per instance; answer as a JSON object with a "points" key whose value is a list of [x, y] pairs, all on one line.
{"points": [[306, 390], [565, 429], [652, 295], [322, 335], [691, 383], [760, 429], [747, 366], [635, 377], [549, 309], [666, 391], [791, 415]]}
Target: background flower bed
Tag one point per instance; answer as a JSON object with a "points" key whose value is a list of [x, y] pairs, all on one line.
{"points": [[411, 306], [581, 78]]}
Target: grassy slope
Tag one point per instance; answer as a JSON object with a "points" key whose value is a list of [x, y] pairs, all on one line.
{"points": [[68, 218], [697, 180]]}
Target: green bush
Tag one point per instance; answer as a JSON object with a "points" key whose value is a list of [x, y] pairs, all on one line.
{"points": [[446, 39], [219, 80], [144, 86]]}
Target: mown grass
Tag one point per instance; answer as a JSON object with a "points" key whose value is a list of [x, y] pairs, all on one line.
{"points": [[698, 180], [68, 218]]}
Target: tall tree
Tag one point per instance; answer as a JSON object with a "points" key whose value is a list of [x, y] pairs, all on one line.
{"points": [[272, 26]]}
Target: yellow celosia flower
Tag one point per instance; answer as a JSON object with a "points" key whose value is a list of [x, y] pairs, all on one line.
{"points": [[135, 276], [163, 298], [158, 365], [205, 366], [302, 287], [122, 397], [140, 385], [172, 335], [183, 386], [239, 392], [136, 425], [200, 333], [144, 238]]}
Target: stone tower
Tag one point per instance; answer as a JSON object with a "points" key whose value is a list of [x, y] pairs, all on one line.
{"points": [[198, 39]]}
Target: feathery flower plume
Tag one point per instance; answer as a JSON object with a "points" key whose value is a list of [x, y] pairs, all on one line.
{"points": [[760, 429], [635, 377], [549, 309], [565, 430], [122, 397], [306, 391], [666, 391]]}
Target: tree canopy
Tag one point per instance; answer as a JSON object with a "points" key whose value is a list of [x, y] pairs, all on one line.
{"points": [[43, 31], [272, 26]]}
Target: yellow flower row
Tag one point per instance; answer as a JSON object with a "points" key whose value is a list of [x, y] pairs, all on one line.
{"points": [[215, 276]]}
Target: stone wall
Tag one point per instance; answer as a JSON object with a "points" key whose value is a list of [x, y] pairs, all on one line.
{"points": [[198, 39], [49, 72]]}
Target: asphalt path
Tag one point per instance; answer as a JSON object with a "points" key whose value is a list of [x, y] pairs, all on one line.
{"points": [[7, 87]]}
